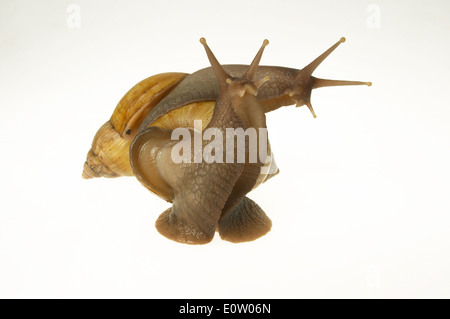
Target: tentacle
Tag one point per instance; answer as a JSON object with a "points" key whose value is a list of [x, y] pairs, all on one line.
{"points": [[305, 82], [220, 73], [255, 63], [320, 83], [311, 67]]}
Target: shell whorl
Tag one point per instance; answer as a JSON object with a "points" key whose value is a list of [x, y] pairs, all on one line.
{"points": [[109, 154]]}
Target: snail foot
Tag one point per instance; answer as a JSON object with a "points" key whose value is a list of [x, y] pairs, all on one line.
{"points": [[246, 222]]}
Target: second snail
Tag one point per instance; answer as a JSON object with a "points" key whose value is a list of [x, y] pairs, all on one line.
{"points": [[206, 181]]}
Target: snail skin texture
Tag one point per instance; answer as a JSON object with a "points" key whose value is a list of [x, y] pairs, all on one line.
{"points": [[206, 196]]}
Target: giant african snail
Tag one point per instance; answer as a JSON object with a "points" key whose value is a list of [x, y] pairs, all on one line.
{"points": [[206, 197]]}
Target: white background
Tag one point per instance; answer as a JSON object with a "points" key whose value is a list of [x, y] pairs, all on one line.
{"points": [[360, 208]]}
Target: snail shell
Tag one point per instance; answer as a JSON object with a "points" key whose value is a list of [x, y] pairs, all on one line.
{"points": [[109, 154]]}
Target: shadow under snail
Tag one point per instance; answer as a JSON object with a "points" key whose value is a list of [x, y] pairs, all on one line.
{"points": [[207, 196]]}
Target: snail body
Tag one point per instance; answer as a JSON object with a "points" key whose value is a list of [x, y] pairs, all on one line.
{"points": [[206, 197]]}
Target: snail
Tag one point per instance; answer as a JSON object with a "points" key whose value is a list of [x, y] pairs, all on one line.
{"points": [[207, 196]]}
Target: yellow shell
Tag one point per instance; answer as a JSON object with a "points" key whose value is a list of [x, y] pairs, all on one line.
{"points": [[186, 115], [109, 154]]}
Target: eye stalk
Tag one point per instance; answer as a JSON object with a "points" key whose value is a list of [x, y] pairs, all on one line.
{"points": [[305, 82], [237, 85]]}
